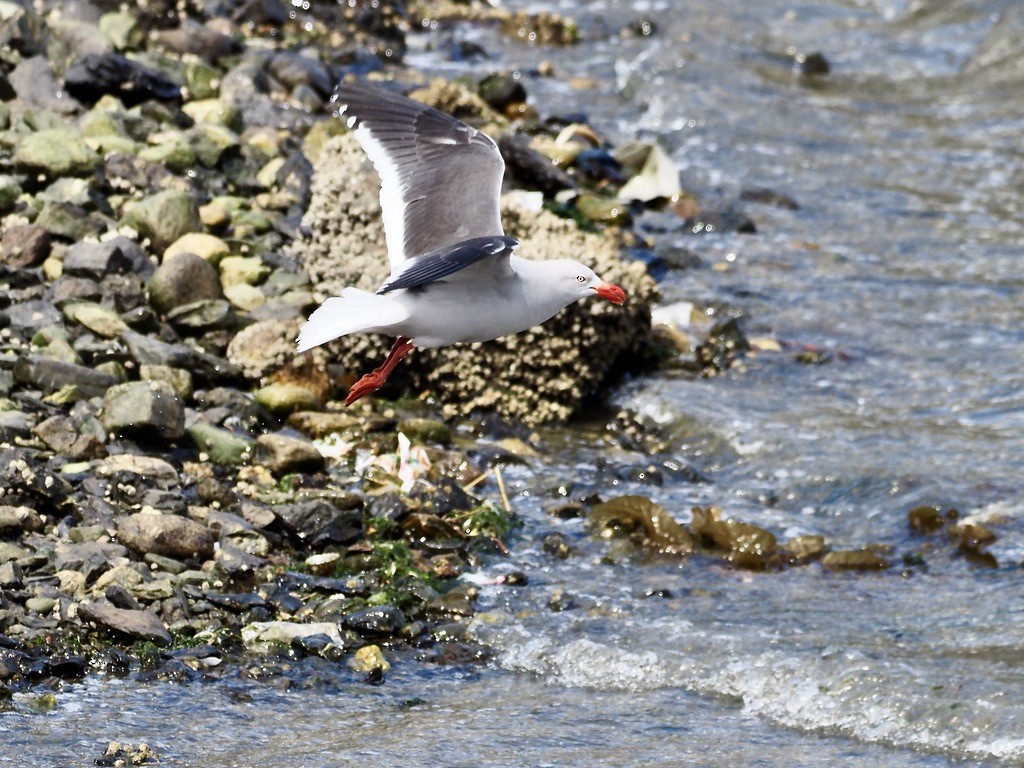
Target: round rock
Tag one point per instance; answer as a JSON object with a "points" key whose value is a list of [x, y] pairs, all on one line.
{"points": [[183, 279], [167, 535]]}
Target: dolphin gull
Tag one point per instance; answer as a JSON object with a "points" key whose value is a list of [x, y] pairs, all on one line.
{"points": [[454, 277]]}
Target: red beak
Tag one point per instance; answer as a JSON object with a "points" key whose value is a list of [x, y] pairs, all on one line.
{"points": [[613, 293]]}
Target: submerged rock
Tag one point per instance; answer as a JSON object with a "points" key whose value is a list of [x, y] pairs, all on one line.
{"points": [[631, 513]]}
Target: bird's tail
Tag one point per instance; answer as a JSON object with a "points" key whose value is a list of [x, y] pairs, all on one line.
{"points": [[353, 311]]}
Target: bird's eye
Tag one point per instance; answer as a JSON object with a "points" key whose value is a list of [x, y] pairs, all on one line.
{"points": [[581, 279]]}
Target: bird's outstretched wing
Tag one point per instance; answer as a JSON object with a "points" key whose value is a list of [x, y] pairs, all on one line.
{"points": [[440, 178], [447, 260]]}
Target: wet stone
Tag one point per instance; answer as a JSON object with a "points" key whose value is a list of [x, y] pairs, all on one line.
{"points": [[318, 523], [63, 437], [377, 620], [16, 520]]}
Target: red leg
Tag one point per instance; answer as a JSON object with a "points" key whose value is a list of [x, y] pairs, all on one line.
{"points": [[376, 378]]}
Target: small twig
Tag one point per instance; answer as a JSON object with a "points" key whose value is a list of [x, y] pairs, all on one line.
{"points": [[501, 489], [476, 480]]}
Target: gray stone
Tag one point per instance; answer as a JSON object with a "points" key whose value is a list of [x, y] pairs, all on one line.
{"points": [[10, 576], [168, 535], [264, 632], [32, 315], [145, 409], [283, 454], [24, 245], [89, 558], [137, 625], [97, 318], [50, 375], [55, 152], [116, 256], [164, 217], [183, 279]]}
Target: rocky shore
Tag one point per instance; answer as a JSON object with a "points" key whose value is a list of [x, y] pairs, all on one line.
{"points": [[177, 487], [178, 490]]}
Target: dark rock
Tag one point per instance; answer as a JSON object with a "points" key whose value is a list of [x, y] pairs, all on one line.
{"points": [[144, 409], [318, 523], [96, 75], [377, 620], [725, 342], [260, 12], [134, 625], [167, 535], [532, 169], [123, 170], [598, 165], [238, 601], [120, 597], [237, 563], [24, 245], [117, 256], [51, 375], [182, 279], [501, 90], [283, 454], [769, 197]]}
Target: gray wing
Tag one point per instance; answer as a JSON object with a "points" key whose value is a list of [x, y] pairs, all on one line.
{"points": [[445, 261], [440, 178]]}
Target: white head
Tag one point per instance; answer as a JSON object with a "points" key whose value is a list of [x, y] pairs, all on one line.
{"points": [[577, 281]]}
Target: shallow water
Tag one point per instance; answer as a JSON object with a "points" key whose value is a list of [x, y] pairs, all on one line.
{"points": [[903, 262]]}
